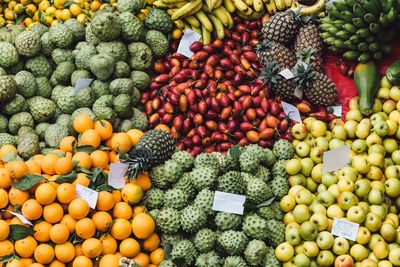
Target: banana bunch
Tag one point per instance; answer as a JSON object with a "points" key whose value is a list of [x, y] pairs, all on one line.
{"points": [[361, 29], [317, 7]]}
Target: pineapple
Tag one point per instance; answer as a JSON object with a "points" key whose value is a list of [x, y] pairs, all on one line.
{"points": [[153, 148], [282, 27], [276, 52], [308, 35], [278, 84], [308, 55]]}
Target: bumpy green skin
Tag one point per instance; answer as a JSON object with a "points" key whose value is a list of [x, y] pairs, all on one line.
{"points": [[267, 212], [24, 130], [157, 42], [39, 66], [231, 182], [233, 242], [125, 125], [167, 263], [83, 55], [185, 184], [121, 86], [84, 97], [28, 43], [222, 159], [184, 249], [269, 156], [105, 26], [61, 35], [262, 173], [283, 149], [39, 28], [135, 96], [63, 119], [168, 220], [18, 120], [64, 71], [249, 161], [103, 108], [276, 232], [102, 66], [255, 252], [3, 124], [16, 105], [280, 186], [183, 158], [203, 177], [204, 200], [131, 5], [26, 83], [8, 88], [54, 134], [13, 70], [60, 55], [40, 129], [79, 74], [158, 178], [47, 45], [270, 258], [77, 29], [159, 20], [154, 198], [121, 70], [139, 120], [8, 55], [209, 259], [42, 109], [132, 28], [257, 191], [123, 106], [255, 227], [6, 138], [140, 56], [114, 49], [279, 169], [172, 170], [2, 72], [100, 88], [90, 37], [66, 101], [175, 198], [57, 92], [207, 160], [141, 79], [28, 145], [236, 261], [204, 240], [227, 221]]}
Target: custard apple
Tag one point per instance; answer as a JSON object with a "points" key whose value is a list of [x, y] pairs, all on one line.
{"points": [[141, 80], [158, 178], [42, 109], [114, 49], [16, 105], [203, 177], [79, 74], [28, 43], [18, 120], [207, 160], [185, 184], [83, 54], [121, 70], [100, 88], [139, 120], [121, 86], [227, 221], [85, 97], [47, 45], [123, 106], [28, 145], [157, 42], [103, 108], [280, 186], [61, 55], [6, 138], [141, 56], [105, 26], [185, 250], [3, 124], [130, 6], [8, 88], [39, 66], [90, 37], [39, 28], [235, 261], [158, 19], [131, 27], [255, 227], [54, 134], [64, 71], [276, 232], [61, 35], [102, 66], [77, 29], [205, 200], [283, 149], [255, 252], [8, 55], [26, 83], [154, 198]]}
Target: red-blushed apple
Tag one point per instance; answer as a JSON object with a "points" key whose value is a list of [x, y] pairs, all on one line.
{"points": [[344, 261]]}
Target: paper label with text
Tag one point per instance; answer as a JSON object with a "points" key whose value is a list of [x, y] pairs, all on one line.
{"points": [[288, 74], [87, 194], [336, 159], [116, 175], [186, 41], [228, 202], [291, 111], [345, 229], [335, 110]]}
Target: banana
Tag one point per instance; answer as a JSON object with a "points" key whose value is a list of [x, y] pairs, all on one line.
{"points": [[161, 4], [179, 23], [202, 17], [271, 7], [219, 27], [308, 10], [241, 6], [206, 35], [186, 9], [228, 15], [209, 4], [192, 21], [288, 3], [194, 10], [249, 2], [222, 15], [258, 5], [171, 11], [280, 4], [229, 6], [170, 2], [197, 29], [218, 3]]}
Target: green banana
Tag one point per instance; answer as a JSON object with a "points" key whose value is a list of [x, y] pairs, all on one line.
{"points": [[374, 27], [338, 23], [373, 47], [359, 22], [350, 3], [341, 5], [325, 35], [330, 40], [377, 55], [334, 12], [352, 54], [355, 39], [363, 32], [363, 47], [333, 30], [359, 11], [334, 49], [370, 7], [350, 27], [206, 35], [349, 45], [347, 16], [325, 26], [326, 20], [383, 19], [377, 4], [369, 18], [370, 39], [339, 44], [343, 35], [364, 57], [387, 5], [392, 14]]}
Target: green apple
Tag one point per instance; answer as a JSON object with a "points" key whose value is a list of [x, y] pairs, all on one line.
{"points": [[383, 93], [394, 256], [374, 173], [373, 139], [325, 240], [299, 131], [320, 220], [308, 231], [334, 190], [325, 258], [301, 213], [292, 236], [304, 196], [398, 133], [392, 187], [359, 146], [321, 188], [346, 185], [381, 250], [354, 115], [359, 252], [339, 132], [390, 145], [287, 203], [363, 235], [301, 260], [396, 157], [385, 115], [311, 184], [316, 173], [389, 106], [328, 136], [318, 128], [364, 205], [350, 127], [340, 245], [309, 139], [377, 149], [360, 164], [376, 159], [317, 208], [388, 162], [336, 143], [369, 263], [394, 93], [329, 178], [334, 211], [293, 166], [388, 232], [317, 154], [392, 172], [297, 179], [381, 128], [308, 121], [373, 222], [322, 143], [303, 149], [348, 172], [375, 238], [326, 198], [376, 196], [356, 214], [367, 121], [353, 103], [284, 252], [380, 210], [346, 200], [362, 130], [376, 117], [311, 248], [307, 165], [362, 188]]}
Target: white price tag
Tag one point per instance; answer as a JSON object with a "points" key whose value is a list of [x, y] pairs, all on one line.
{"points": [[21, 217], [335, 110], [298, 93], [228, 202], [81, 83], [345, 229], [288, 74], [116, 175], [187, 40], [336, 159], [87, 194], [291, 111]]}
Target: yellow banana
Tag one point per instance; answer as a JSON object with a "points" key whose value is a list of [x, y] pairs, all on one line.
{"points": [[271, 7], [204, 20], [185, 9], [197, 29], [218, 3], [206, 35], [308, 10], [229, 6], [170, 2], [192, 21], [209, 4], [241, 6], [249, 2], [230, 19], [179, 23], [280, 4], [258, 5], [288, 3], [161, 4], [219, 27], [171, 11], [221, 15], [194, 10]]}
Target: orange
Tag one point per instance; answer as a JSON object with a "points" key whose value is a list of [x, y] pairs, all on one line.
{"points": [[78, 208], [129, 247], [75, 9], [63, 166], [163, 127], [68, 143], [59, 233], [25, 247], [17, 169], [83, 123], [70, 222], [92, 247], [143, 181], [121, 229], [6, 247], [90, 138], [105, 201], [78, 250], [135, 135], [44, 254], [109, 260], [4, 230], [17, 197], [66, 193], [109, 244], [15, 263], [119, 255], [85, 228], [5, 214], [103, 128], [99, 159], [117, 196], [5, 179], [45, 194], [121, 141], [56, 263], [82, 261], [132, 193], [27, 261], [108, 141], [83, 160], [42, 233], [33, 167], [157, 256], [137, 210], [151, 243], [142, 259], [47, 163], [32, 210], [5, 149], [65, 252], [53, 213], [82, 179], [94, 6], [37, 158], [122, 210], [102, 220], [114, 157], [143, 225], [3, 198]]}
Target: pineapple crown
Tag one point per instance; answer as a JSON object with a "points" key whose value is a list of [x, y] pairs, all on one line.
{"points": [[303, 75], [296, 17], [307, 55], [265, 45], [311, 19], [270, 74], [139, 160]]}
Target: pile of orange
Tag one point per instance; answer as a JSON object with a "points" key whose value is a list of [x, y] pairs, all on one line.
{"points": [[67, 231]]}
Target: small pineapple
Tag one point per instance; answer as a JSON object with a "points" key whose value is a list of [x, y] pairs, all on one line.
{"points": [[282, 27], [309, 56], [308, 35], [276, 52]]}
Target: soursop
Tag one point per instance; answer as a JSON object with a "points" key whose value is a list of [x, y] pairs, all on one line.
{"points": [[279, 169], [266, 212], [235, 261], [175, 198], [280, 186], [185, 184], [184, 159], [167, 263], [209, 259], [249, 161], [204, 200], [185, 250], [270, 259], [204, 240], [207, 160], [231, 182], [255, 227], [283, 149], [276, 232], [192, 219], [258, 191], [262, 173], [154, 198], [203, 177], [233, 242], [168, 220], [270, 157], [227, 221]]}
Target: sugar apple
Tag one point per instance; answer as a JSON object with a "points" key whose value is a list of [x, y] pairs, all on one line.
{"points": [[79, 74], [132, 28], [235, 261], [102, 66], [139, 120], [39, 28], [183, 158], [84, 97], [8, 33], [90, 37], [28, 145], [140, 56], [66, 101], [8, 55], [47, 45], [255, 252], [121, 70], [121, 86], [8, 88], [42, 109], [18, 120], [83, 54], [103, 108], [100, 88], [131, 5], [77, 29], [6, 138], [105, 26], [16, 105], [40, 129], [123, 106], [209, 259], [3, 124], [205, 200], [61, 35], [39, 66], [185, 184], [54, 134], [26, 83], [158, 19], [157, 42], [28, 43], [114, 49], [141, 80], [64, 71], [233, 242], [257, 191], [167, 263]]}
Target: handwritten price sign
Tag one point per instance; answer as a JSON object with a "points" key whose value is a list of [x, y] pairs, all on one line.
{"points": [[345, 229]]}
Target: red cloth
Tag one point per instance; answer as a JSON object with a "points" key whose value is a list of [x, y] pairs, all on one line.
{"points": [[345, 85]]}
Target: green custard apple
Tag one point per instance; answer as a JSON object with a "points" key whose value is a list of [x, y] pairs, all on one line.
{"points": [[28, 43], [61, 35], [8, 55], [8, 88], [105, 26]]}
